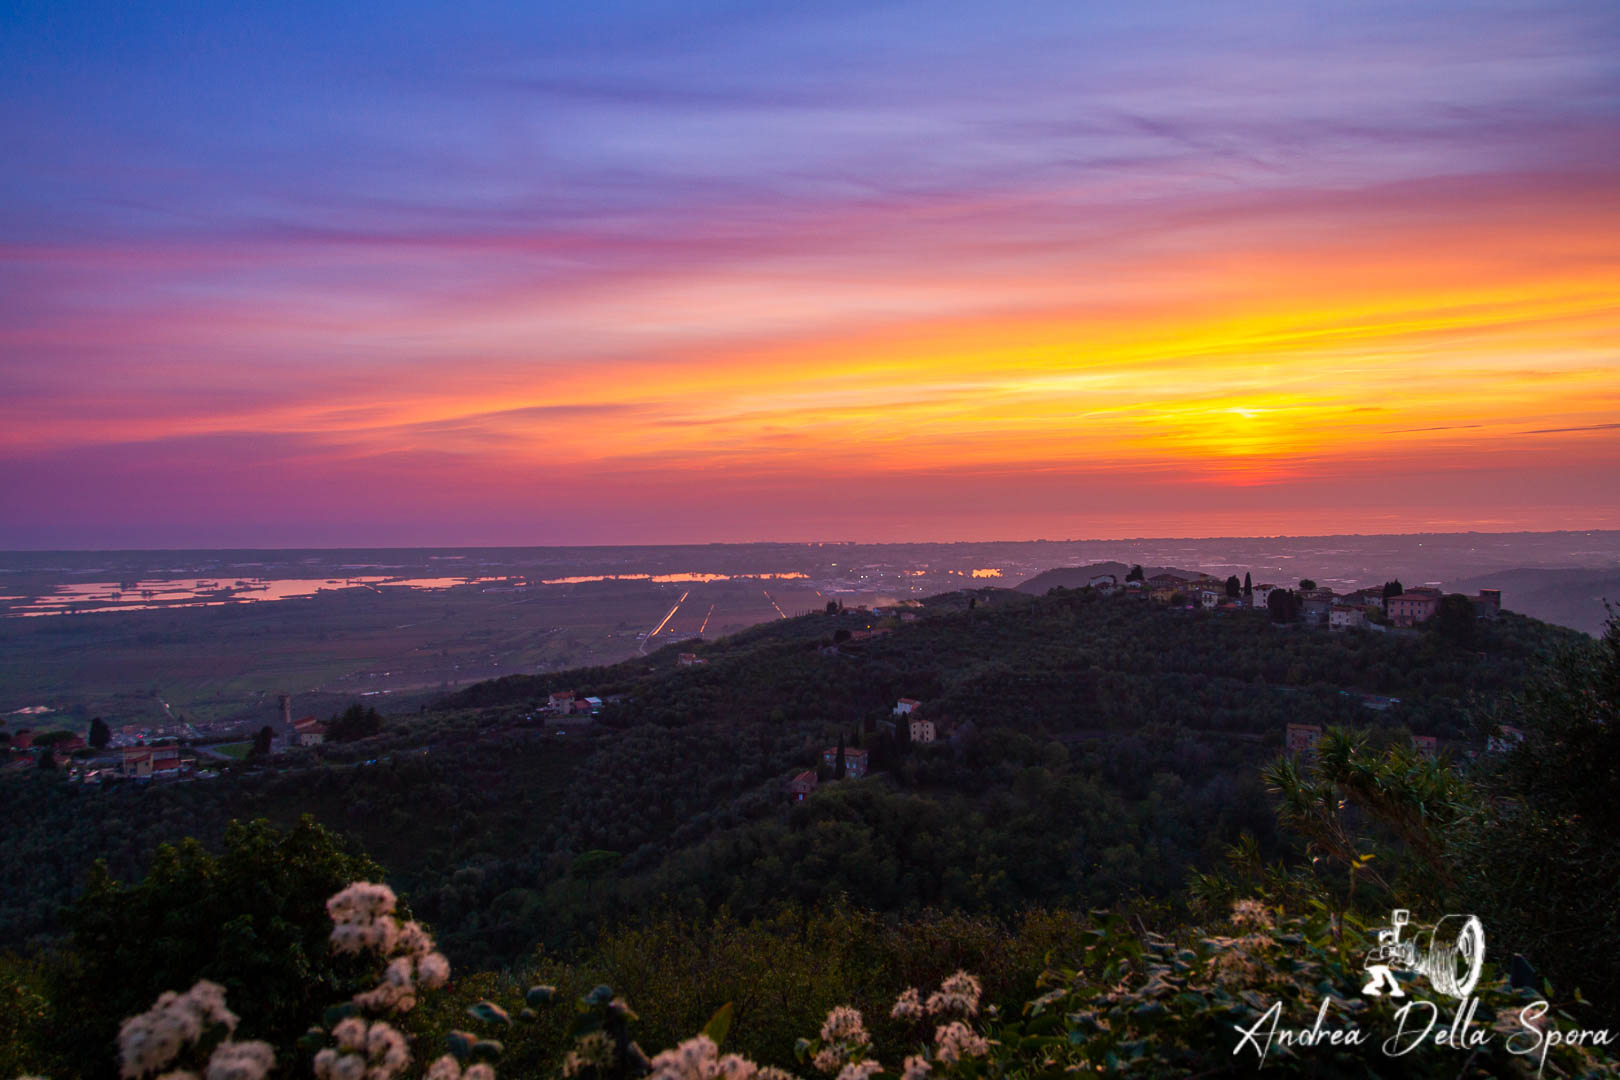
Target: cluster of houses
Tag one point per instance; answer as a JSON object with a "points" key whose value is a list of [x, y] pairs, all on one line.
{"points": [[857, 763], [133, 761], [141, 734], [24, 740], [920, 728], [857, 759], [1410, 608], [1359, 609]]}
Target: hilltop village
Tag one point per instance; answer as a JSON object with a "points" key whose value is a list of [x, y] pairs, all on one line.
{"points": [[1377, 608]]}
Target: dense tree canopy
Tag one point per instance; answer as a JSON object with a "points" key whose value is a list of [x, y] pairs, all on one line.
{"points": [[251, 918]]}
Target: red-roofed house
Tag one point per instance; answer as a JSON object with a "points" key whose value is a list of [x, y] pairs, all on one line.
{"points": [[1427, 745], [143, 761], [1411, 608], [562, 701], [309, 731], [905, 705], [802, 786], [854, 761]]}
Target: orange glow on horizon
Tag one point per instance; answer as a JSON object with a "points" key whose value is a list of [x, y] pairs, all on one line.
{"points": [[1243, 353]]}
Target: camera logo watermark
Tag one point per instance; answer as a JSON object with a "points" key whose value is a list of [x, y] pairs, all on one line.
{"points": [[1451, 957], [1452, 961]]}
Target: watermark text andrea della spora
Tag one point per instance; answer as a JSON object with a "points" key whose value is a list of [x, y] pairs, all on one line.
{"points": [[1451, 962]]}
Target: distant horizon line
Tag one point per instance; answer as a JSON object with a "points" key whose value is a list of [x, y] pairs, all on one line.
{"points": [[807, 543]]}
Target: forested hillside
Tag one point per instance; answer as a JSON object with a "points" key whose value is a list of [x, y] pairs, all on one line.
{"points": [[1090, 748], [1095, 753]]}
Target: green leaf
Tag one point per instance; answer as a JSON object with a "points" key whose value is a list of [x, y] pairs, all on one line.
{"points": [[719, 1024], [489, 1013], [460, 1043], [486, 1050], [336, 1013], [540, 995]]}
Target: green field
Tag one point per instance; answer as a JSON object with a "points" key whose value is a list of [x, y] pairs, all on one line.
{"points": [[223, 667]]}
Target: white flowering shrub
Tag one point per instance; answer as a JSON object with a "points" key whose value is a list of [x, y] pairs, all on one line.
{"points": [[181, 1026], [1139, 1005], [363, 921]]}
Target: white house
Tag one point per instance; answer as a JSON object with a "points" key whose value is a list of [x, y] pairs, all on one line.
{"points": [[922, 731], [1345, 617]]}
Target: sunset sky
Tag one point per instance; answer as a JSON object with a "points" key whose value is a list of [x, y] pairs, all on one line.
{"points": [[366, 274]]}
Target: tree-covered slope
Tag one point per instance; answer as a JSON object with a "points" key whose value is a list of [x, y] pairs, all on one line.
{"points": [[1114, 744]]}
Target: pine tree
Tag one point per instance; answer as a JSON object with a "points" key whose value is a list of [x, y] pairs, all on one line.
{"points": [[100, 733], [1248, 587], [839, 768]]}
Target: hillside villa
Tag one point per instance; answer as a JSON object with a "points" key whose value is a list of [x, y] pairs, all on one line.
{"points": [[855, 765]]}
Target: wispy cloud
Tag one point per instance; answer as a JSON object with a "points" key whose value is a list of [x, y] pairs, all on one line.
{"points": [[1559, 431]]}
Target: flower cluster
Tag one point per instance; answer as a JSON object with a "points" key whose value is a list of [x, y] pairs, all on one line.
{"points": [[1241, 960], [591, 1051], [363, 921], [844, 1042], [908, 1006], [700, 1059], [240, 1061], [364, 1051], [152, 1040], [859, 1070], [916, 1068], [363, 917], [958, 995], [1252, 913], [955, 1040], [448, 1068]]}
